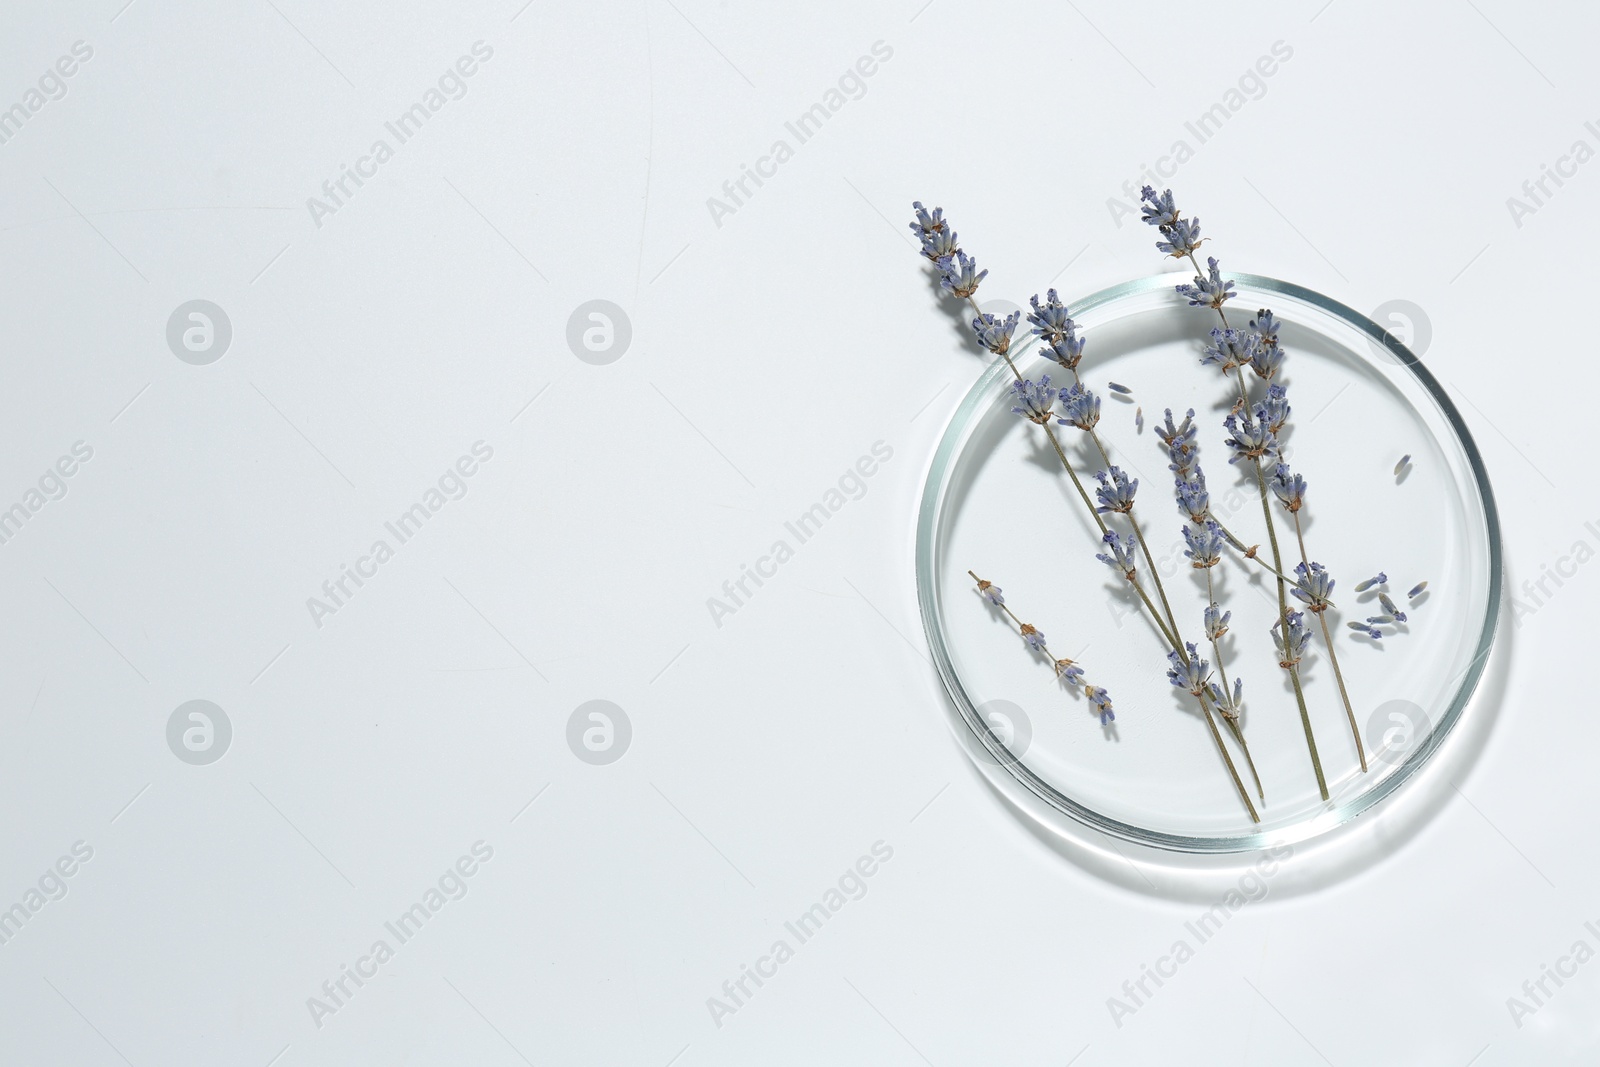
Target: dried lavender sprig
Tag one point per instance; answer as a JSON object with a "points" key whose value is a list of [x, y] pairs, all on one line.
{"points": [[1211, 291], [1034, 639], [1216, 625], [1313, 586], [1067, 353]]}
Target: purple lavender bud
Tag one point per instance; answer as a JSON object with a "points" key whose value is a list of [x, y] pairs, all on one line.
{"points": [[1115, 493], [1378, 579], [1416, 590], [960, 277], [1101, 700]]}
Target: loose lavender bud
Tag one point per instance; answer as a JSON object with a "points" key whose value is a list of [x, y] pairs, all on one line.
{"points": [[1034, 400], [960, 277], [1209, 291], [1248, 438], [1290, 488], [1274, 410], [1193, 499], [1416, 590], [1117, 387], [1101, 700], [1032, 637], [1388, 606], [995, 334], [1398, 467], [1079, 407], [1116, 492], [1228, 349], [1380, 620], [1122, 553], [1229, 704], [1378, 579], [1290, 649], [1366, 628], [1138, 420], [1189, 675], [1205, 544], [1069, 670], [1216, 621]]}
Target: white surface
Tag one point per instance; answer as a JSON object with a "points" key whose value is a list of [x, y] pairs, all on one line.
{"points": [[769, 353]]}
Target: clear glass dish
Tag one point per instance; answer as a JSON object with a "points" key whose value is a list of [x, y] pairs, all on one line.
{"points": [[998, 503]]}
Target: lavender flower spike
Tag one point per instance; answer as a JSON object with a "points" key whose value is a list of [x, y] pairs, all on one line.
{"points": [[1050, 320], [1122, 553], [1229, 704], [1157, 209], [1180, 437], [1291, 649], [1312, 587], [1211, 291], [1216, 621], [927, 222], [1034, 400], [1205, 545], [960, 278], [1116, 492], [1229, 349], [1268, 356], [1249, 439], [1190, 675], [1101, 700], [1274, 410], [995, 334], [1377, 579], [1079, 407], [939, 245], [1290, 488], [1193, 498]]}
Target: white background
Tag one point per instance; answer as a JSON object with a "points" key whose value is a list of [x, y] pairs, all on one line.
{"points": [[770, 349]]}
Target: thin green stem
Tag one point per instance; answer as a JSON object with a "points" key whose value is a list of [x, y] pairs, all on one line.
{"points": [[1231, 720], [1333, 656]]}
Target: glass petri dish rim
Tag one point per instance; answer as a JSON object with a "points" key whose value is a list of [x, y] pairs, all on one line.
{"points": [[1335, 816]]}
